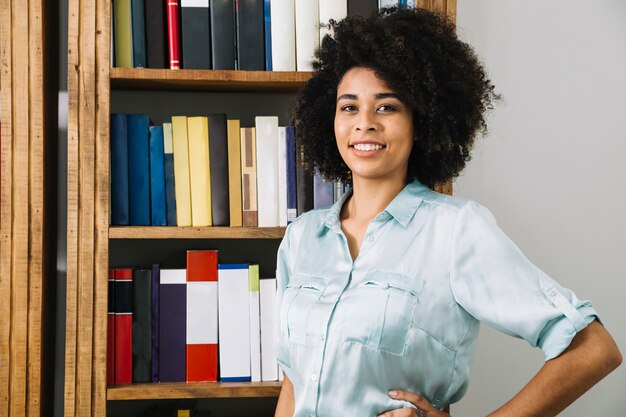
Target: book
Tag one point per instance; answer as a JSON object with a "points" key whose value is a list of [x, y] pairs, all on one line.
{"points": [[362, 7], [218, 145], [196, 34], [168, 167], [139, 33], [304, 184], [173, 37], [154, 315], [155, 34], [172, 325], [120, 205], [249, 177], [338, 190], [202, 315], [307, 33], [255, 323], [269, 364], [283, 35], [223, 34], [267, 170], [292, 186], [282, 176], [234, 172], [157, 177], [111, 329], [323, 191], [123, 326], [387, 3], [139, 169], [234, 322], [182, 186], [199, 170], [250, 40], [142, 325], [331, 9], [267, 32], [123, 34]]}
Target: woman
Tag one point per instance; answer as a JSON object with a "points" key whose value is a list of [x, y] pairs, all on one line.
{"points": [[380, 296]]}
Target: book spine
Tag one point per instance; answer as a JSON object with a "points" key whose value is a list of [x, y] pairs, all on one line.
{"points": [[267, 170], [139, 33], [387, 3], [142, 325], [157, 177], [323, 192], [180, 147], [283, 35], [250, 40], [123, 34], [218, 145], [337, 190], [139, 169], [292, 201], [196, 32], [267, 31], [202, 315], [255, 323], [168, 168], [173, 37], [269, 364], [172, 325], [123, 326], [331, 9], [307, 33], [249, 177], [154, 313], [200, 171], [223, 34], [155, 33], [282, 176], [362, 7], [234, 322], [304, 182], [234, 172], [120, 206], [111, 329]]}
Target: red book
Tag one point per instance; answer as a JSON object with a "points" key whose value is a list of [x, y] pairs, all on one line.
{"points": [[202, 315], [173, 40], [123, 326], [111, 330]]}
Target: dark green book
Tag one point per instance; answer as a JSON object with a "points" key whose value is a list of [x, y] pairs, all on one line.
{"points": [[142, 325], [139, 33]]}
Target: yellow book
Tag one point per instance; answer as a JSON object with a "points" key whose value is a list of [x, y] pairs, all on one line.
{"points": [[248, 176], [234, 172], [123, 34], [181, 170], [199, 170]]}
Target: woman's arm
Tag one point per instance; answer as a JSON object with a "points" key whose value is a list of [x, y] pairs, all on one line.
{"points": [[285, 406]]}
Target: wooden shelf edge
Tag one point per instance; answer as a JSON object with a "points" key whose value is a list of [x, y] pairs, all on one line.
{"points": [[193, 390], [169, 232]]}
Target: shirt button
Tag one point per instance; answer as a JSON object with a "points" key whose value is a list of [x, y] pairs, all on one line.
{"points": [[370, 239], [313, 377], [552, 293], [322, 338]]}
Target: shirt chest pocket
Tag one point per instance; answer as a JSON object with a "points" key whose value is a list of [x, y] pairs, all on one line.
{"points": [[379, 311], [300, 296]]}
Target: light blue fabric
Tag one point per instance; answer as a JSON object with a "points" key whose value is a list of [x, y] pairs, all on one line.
{"points": [[406, 313]]}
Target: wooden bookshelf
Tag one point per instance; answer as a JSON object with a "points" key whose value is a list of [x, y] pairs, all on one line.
{"points": [[154, 232], [193, 390]]}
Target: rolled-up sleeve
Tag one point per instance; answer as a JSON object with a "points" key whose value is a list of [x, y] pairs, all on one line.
{"points": [[283, 273], [495, 283]]}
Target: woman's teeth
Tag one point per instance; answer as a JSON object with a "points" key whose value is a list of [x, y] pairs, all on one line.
{"points": [[367, 147]]}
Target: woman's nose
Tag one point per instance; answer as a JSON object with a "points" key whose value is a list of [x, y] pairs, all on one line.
{"points": [[366, 122]]}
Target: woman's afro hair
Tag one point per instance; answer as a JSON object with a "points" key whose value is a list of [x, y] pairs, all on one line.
{"points": [[418, 55]]}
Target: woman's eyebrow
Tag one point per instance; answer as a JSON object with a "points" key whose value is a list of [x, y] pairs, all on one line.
{"points": [[377, 96]]}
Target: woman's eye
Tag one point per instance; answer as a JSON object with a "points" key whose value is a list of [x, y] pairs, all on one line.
{"points": [[348, 107], [386, 108]]}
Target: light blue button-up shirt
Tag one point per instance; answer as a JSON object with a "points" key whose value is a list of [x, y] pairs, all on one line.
{"points": [[405, 314]]}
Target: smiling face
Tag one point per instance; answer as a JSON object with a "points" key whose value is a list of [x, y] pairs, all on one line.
{"points": [[373, 128]]}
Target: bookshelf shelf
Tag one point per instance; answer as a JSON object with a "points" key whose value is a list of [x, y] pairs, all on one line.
{"points": [[209, 80], [157, 232], [193, 390]]}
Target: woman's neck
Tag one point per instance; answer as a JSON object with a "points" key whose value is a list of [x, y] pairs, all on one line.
{"points": [[370, 197]]}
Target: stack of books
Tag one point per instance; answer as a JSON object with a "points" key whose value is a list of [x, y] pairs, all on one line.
{"points": [[183, 325]]}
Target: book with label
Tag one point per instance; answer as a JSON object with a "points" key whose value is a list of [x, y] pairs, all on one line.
{"points": [[173, 34], [196, 34], [234, 172], [267, 170], [123, 326], [172, 325], [255, 323], [200, 171], [168, 167], [249, 177], [111, 329], [181, 170]]}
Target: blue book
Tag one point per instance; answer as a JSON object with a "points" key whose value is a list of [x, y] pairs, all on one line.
{"points": [[168, 163], [138, 24], [323, 191], [157, 177], [292, 186], [119, 171], [268, 35], [139, 169]]}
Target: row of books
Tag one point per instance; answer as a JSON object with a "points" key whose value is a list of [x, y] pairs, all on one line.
{"points": [[206, 323], [278, 35], [209, 171]]}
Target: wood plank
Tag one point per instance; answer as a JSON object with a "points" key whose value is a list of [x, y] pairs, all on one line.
{"points": [[213, 80], [451, 10], [438, 6], [6, 201], [154, 232], [193, 390]]}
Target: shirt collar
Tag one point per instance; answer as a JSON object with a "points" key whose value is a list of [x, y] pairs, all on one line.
{"points": [[402, 207]]}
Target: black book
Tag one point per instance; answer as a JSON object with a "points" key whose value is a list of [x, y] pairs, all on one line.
{"points": [[139, 33], [218, 157], [155, 33], [250, 35], [196, 35], [362, 7], [304, 183], [223, 34], [142, 325]]}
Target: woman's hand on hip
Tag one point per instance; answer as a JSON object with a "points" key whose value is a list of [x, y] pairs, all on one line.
{"points": [[424, 408]]}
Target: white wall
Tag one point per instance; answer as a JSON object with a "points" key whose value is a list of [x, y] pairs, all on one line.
{"points": [[553, 171]]}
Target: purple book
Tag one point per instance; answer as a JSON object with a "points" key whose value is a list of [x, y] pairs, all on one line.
{"points": [[156, 279], [172, 325]]}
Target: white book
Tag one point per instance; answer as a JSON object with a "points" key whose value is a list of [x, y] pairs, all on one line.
{"points": [[234, 322], [283, 35], [267, 170], [282, 176], [269, 364], [255, 323], [387, 3], [307, 33], [331, 9]]}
